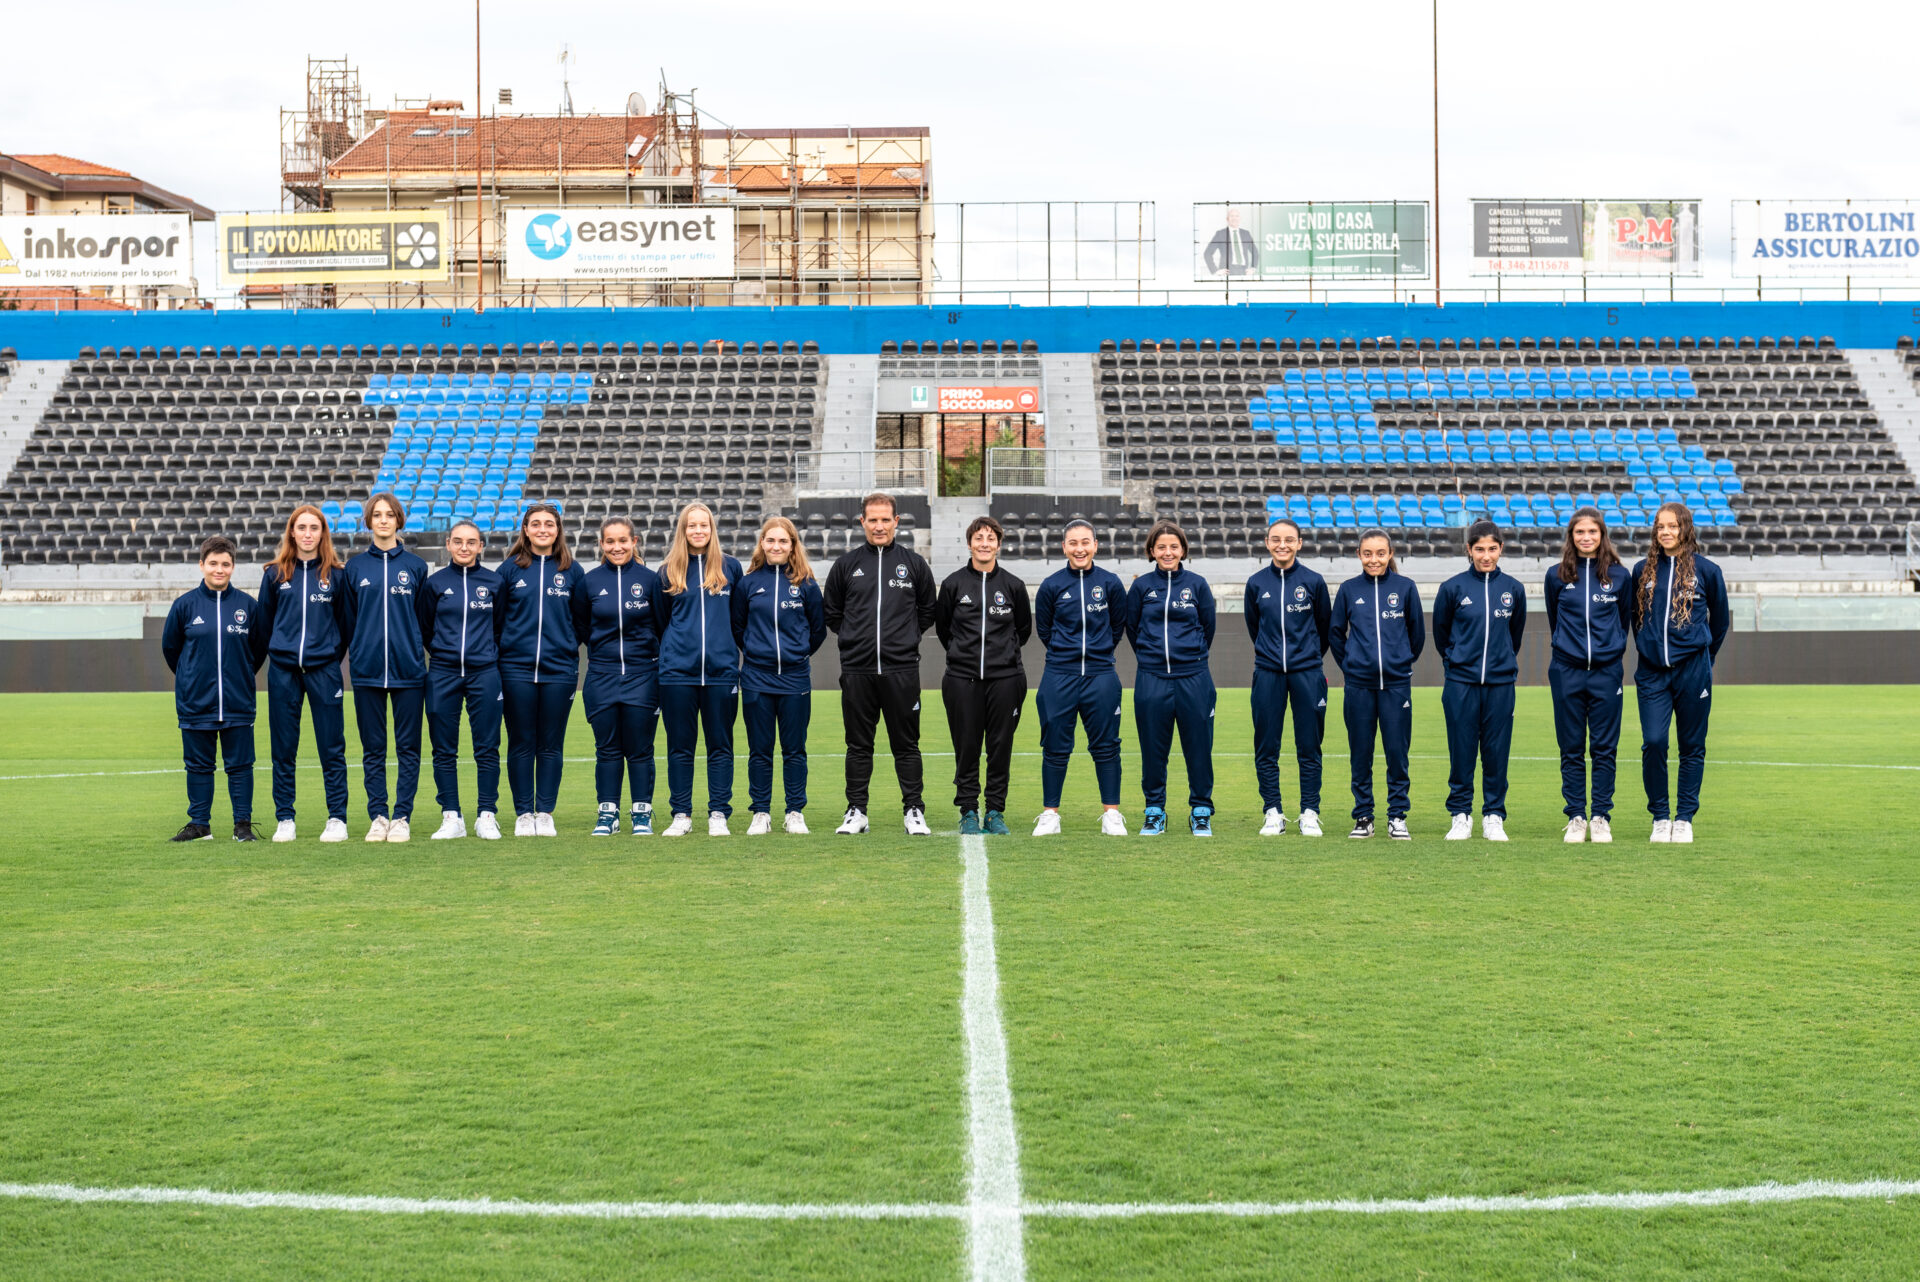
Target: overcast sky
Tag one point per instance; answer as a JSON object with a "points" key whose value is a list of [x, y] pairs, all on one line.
{"points": [[1175, 104]]}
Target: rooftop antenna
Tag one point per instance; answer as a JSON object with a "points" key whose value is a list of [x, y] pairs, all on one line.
{"points": [[566, 88]]}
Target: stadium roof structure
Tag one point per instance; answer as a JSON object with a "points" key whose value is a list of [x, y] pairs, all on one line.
{"points": [[67, 177]]}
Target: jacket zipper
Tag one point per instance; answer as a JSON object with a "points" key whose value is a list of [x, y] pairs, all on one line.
{"points": [[983, 625], [1666, 623], [1587, 596], [879, 597], [779, 657], [463, 620], [540, 619], [1083, 622], [703, 631], [386, 647], [306, 588], [1486, 624], [1166, 625], [219, 657], [620, 619], [1379, 633], [1283, 621]]}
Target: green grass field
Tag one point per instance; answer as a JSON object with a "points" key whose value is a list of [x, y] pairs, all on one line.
{"points": [[778, 1021]]}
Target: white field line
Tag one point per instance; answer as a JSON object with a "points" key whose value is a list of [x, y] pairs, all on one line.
{"points": [[1748, 1195], [994, 1249], [835, 756]]}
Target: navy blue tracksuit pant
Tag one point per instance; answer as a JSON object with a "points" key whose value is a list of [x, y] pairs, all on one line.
{"points": [[1390, 712], [321, 690], [1586, 717], [689, 712], [1306, 690], [1479, 726], [478, 695], [1682, 694], [370, 707], [1066, 699], [1160, 704], [236, 746], [623, 712], [768, 715], [537, 714]]}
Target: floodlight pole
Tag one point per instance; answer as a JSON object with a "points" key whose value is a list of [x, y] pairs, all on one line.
{"points": [[479, 179], [1436, 153]]}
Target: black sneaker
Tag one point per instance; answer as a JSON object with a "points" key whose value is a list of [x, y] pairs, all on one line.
{"points": [[194, 832], [243, 831], [1362, 828]]}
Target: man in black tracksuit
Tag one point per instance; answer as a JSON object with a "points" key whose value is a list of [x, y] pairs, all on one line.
{"points": [[983, 617], [879, 600]]}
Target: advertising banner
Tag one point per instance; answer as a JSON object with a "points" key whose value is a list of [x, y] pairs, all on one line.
{"points": [[1586, 237], [333, 248], [1300, 239], [1825, 238], [620, 243], [983, 400], [89, 250]]}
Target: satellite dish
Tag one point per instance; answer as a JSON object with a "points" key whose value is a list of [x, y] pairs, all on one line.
{"points": [[636, 104]]}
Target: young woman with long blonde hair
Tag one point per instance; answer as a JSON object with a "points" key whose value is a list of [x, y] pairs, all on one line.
{"points": [[779, 620], [699, 666]]}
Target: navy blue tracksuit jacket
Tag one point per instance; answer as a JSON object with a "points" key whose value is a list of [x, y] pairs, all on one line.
{"points": [[379, 591], [1678, 635], [1377, 633], [1079, 616], [699, 683], [209, 644], [1591, 620], [459, 612], [301, 628], [1170, 624], [778, 625], [539, 669], [1479, 621], [1288, 615]]}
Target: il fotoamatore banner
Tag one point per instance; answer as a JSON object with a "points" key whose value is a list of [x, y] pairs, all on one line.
{"points": [[336, 248], [1825, 238], [1295, 240], [622, 243], [1586, 237], [90, 250]]}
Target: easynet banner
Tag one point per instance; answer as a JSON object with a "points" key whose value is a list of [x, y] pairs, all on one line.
{"points": [[333, 248], [622, 243], [88, 250], [1586, 237], [1825, 238]]}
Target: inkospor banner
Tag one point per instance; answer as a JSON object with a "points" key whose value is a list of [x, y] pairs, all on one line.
{"points": [[333, 248], [89, 250], [1300, 239], [1825, 238], [655, 242], [1586, 237]]}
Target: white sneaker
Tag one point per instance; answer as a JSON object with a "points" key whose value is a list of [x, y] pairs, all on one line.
{"points": [[1309, 823], [1577, 830], [398, 830], [487, 827], [543, 825], [680, 827], [916, 821], [336, 830], [717, 825], [761, 825], [1048, 824], [523, 825], [1599, 829], [1683, 831], [1397, 829], [377, 830], [796, 823], [855, 821], [452, 825], [1493, 827], [284, 830], [1276, 823], [1112, 824], [1462, 828], [1662, 831]]}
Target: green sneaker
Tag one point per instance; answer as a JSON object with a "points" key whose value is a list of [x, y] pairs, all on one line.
{"points": [[996, 824], [969, 823]]}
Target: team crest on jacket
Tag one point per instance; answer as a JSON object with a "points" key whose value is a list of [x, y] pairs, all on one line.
{"points": [[1393, 600], [239, 616], [1506, 598], [559, 580], [480, 593], [1099, 594], [999, 598], [403, 579], [1299, 594], [1186, 594], [793, 589], [899, 571], [635, 589]]}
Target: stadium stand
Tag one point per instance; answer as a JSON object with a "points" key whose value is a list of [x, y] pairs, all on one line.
{"points": [[1769, 440], [139, 442]]}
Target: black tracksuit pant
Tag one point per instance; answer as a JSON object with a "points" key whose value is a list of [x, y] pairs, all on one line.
{"points": [[982, 710], [864, 699]]}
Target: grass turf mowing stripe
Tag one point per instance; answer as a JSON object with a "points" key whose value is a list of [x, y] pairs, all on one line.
{"points": [[994, 1248]]}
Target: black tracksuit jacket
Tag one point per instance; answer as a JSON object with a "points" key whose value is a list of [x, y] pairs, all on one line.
{"points": [[879, 601], [983, 620]]}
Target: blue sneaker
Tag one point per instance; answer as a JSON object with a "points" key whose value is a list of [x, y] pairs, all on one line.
{"points": [[643, 821], [1154, 822], [1200, 822], [996, 824], [969, 823], [608, 823]]}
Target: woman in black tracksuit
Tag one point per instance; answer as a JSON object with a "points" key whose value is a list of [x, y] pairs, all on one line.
{"points": [[983, 617]]}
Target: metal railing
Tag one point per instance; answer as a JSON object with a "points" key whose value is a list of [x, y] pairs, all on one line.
{"points": [[1013, 470], [838, 473]]}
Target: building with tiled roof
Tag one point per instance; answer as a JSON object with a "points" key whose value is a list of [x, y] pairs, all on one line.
{"points": [[35, 183]]}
